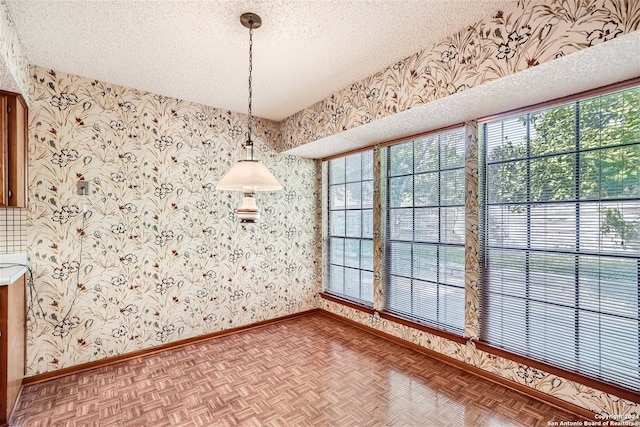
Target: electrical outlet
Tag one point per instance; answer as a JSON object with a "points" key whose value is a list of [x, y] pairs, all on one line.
{"points": [[83, 188]]}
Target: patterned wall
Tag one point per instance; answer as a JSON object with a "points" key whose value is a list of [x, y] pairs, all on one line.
{"points": [[472, 260], [163, 256], [14, 70], [164, 259], [529, 33]]}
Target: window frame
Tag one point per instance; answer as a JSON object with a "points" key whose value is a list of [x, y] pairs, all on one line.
{"points": [[327, 210], [437, 327], [563, 371]]}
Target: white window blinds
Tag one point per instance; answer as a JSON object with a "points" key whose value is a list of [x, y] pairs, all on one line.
{"points": [[426, 229], [351, 227], [561, 236]]}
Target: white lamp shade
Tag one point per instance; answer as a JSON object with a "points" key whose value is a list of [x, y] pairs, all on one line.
{"points": [[248, 174]]}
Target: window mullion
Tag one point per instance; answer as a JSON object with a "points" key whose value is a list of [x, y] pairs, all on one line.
{"points": [[577, 231], [413, 296], [438, 279], [528, 252]]}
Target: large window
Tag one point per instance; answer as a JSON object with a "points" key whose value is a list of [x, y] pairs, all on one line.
{"points": [[426, 230], [351, 227], [561, 237]]}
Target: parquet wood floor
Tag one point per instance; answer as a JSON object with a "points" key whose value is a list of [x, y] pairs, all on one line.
{"points": [[308, 371]]}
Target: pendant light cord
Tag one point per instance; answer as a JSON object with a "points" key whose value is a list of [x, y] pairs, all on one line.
{"points": [[249, 142]]}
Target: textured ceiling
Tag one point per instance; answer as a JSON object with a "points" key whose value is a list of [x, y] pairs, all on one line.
{"points": [[198, 50]]}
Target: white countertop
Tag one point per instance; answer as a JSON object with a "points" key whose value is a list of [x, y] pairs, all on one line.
{"points": [[12, 267], [11, 274]]}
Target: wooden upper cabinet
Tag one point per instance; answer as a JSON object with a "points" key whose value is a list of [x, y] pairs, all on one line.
{"points": [[13, 161], [4, 151]]}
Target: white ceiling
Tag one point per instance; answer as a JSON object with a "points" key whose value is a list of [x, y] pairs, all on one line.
{"points": [[198, 50]]}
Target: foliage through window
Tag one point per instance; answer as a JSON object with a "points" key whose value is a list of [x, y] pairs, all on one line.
{"points": [[351, 227], [561, 237], [426, 230]]}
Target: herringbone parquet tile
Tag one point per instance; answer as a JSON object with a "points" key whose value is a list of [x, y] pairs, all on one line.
{"points": [[309, 371]]}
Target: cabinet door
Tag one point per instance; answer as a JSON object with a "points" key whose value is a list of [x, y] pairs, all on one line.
{"points": [[12, 345], [16, 325], [4, 151], [4, 353], [17, 134]]}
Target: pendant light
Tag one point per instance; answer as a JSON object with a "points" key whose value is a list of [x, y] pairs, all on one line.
{"points": [[249, 175]]}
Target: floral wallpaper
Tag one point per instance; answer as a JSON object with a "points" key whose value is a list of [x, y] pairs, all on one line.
{"points": [[159, 255], [14, 71], [526, 34], [530, 32], [379, 194], [472, 260], [163, 257]]}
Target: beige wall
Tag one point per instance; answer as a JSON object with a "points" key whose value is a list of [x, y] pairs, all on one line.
{"points": [[152, 269], [163, 257], [14, 66]]}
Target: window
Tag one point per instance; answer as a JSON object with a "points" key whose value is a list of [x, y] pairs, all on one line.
{"points": [[351, 227], [561, 236], [426, 230]]}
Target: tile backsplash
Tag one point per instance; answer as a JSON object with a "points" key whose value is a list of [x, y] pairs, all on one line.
{"points": [[13, 230]]}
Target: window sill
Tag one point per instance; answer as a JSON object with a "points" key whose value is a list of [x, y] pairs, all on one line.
{"points": [[347, 302], [395, 318]]}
